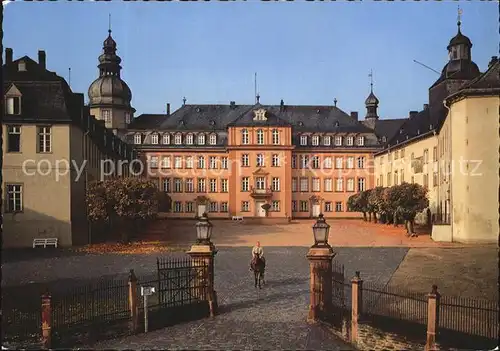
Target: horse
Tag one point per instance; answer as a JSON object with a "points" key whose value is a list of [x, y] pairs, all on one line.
{"points": [[258, 266]]}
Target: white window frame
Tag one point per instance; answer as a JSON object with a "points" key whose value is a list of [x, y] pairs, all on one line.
{"points": [[189, 139], [245, 206], [315, 140], [213, 139], [350, 141], [245, 140], [189, 162], [224, 207], [201, 185], [127, 118], [328, 184], [276, 160], [177, 185], [154, 138], [361, 162], [275, 184], [165, 139], [153, 162], [189, 185], [360, 140], [14, 198], [339, 184], [166, 162], [361, 184], [303, 140], [350, 185], [224, 162], [339, 162], [245, 183], [178, 139], [276, 137], [212, 185], [315, 162], [245, 160], [338, 140], [327, 162], [106, 116], [224, 185], [350, 162], [201, 139], [44, 139], [201, 162], [339, 206], [212, 162], [294, 184], [316, 184], [327, 140], [167, 185], [177, 162], [260, 160], [275, 206], [304, 185], [11, 132], [260, 137]]}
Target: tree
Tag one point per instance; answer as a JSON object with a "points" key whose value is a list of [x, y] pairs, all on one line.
{"points": [[376, 203], [358, 203], [266, 207], [407, 200], [122, 203]]}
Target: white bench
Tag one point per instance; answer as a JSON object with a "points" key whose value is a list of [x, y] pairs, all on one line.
{"points": [[237, 218], [45, 242]]}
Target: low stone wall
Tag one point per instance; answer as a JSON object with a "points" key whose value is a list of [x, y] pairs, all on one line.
{"points": [[371, 338]]}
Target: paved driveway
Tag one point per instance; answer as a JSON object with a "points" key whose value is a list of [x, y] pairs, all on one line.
{"points": [[271, 318]]}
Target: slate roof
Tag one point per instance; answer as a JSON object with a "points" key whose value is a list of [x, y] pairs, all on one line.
{"points": [[388, 127], [147, 121], [486, 83]]}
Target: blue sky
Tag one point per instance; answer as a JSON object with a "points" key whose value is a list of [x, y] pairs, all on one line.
{"points": [[304, 52]]}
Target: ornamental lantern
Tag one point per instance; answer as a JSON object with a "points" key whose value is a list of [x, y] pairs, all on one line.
{"points": [[203, 230], [320, 231]]}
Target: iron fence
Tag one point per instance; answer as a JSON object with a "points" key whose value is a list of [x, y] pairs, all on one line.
{"points": [[341, 297], [395, 310], [468, 323]]}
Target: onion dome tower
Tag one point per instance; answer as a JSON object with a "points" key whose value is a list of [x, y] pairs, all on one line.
{"points": [[109, 95], [371, 104]]}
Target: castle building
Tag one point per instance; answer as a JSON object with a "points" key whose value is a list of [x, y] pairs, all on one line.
{"points": [[52, 147]]}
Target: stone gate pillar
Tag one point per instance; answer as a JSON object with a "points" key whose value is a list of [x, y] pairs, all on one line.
{"points": [[206, 253], [320, 267]]}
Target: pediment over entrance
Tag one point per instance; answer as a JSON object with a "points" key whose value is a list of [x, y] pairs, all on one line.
{"points": [[260, 171]]}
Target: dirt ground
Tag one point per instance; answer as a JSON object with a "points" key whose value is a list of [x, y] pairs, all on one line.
{"points": [[468, 272], [346, 233]]}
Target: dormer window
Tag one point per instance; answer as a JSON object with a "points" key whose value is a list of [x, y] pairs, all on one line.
{"points": [[13, 105], [384, 139], [350, 141], [338, 140], [127, 117], [21, 66], [430, 127], [154, 138], [213, 139], [178, 139], [137, 139], [327, 140], [201, 139], [401, 131], [303, 140], [315, 140], [189, 139], [337, 124], [361, 141], [166, 139]]}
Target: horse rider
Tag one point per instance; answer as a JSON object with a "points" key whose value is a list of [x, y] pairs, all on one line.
{"points": [[257, 250]]}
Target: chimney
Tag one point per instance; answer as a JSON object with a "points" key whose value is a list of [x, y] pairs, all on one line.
{"points": [[413, 114], [282, 105], [354, 115], [8, 55], [494, 59], [41, 58], [232, 104], [426, 106], [168, 109]]}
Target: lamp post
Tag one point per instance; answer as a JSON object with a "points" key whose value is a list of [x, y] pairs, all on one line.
{"points": [[320, 257], [203, 252]]}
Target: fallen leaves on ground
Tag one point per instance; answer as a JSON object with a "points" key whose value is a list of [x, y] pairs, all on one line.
{"points": [[140, 247]]}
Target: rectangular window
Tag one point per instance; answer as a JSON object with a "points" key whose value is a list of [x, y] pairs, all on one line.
{"points": [[315, 184], [315, 162], [178, 162], [276, 160], [275, 207], [327, 162], [106, 116], [189, 162], [177, 206], [260, 160], [44, 139], [13, 105], [213, 206], [328, 206], [402, 172], [202, 185], [245, 160], [328, 184], [339, 184], [304, 161], [426, 180], [137, 139], [260, 137], [224, 207], [426, 156], [434, 153], [435, 179], [339, 162], [338, 206], [166, 185], [14, 139], [396, 178], [166, 139], [245, 206], [350, 162], [338, 140], [245, 181], [213, 185], [294, 161], [165, 162], [303, 140], [303, 206], [361, 162], [361, 141], [153, 162], [361, 184], [154, 139], [213, 162], [224, 162], [189, 207], [396, 153], [304, 184], [178, 139], [213, 139], [224, 188], [294, 184], [402, 153], [276, 137], [350, 141], [389, 179], [315, 140], [177, 185], [294, 205], [350, 184], [276, 184], [327, 140], [201, 162], [260, 183], [14, 198], [189, 185]]}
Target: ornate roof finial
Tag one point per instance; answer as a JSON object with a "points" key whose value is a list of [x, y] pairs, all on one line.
{"points": [[109, 24], [371, 81], [335, 102], [184, 100], [258, 98], [459, 17]]}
